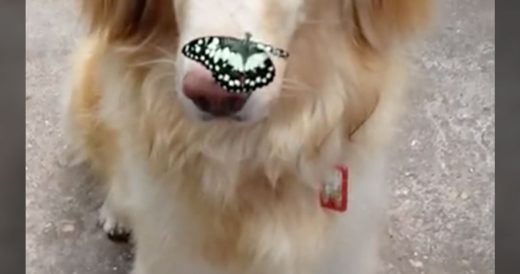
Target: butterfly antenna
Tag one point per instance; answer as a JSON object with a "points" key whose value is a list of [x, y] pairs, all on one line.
{"points": [[248, 36]]}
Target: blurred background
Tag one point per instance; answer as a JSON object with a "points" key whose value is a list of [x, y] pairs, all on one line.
{"points": [[12, 125], [442, 214]]}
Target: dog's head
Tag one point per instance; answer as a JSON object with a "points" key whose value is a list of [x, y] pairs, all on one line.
{"points": [[320, 36]]}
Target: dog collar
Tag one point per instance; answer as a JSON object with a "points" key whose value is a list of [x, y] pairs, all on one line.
{"points": [[334, 190]]}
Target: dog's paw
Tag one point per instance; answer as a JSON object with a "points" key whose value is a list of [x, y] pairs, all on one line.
{"points": [[114, 226]]}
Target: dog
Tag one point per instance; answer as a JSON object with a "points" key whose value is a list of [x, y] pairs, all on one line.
{"points": [[287, 179]]}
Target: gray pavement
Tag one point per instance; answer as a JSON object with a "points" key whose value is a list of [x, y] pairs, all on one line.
{"points": [[442, 214]]}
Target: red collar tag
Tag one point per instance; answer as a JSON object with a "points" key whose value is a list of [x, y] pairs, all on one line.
{"points": [[334, 192]]}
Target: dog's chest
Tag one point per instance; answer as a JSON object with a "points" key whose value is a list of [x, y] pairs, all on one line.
{"points": [[266, 231]]}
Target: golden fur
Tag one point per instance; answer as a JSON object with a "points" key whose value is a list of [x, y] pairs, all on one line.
{"points": [[242, 198]]}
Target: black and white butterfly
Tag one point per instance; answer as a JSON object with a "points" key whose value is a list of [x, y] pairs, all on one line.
{"points": [[237, 65]]}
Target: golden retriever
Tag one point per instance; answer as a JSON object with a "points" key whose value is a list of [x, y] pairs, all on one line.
{"points": [[220, 187]]}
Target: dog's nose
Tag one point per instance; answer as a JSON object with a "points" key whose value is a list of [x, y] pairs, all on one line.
{"points": [[200, 87]]}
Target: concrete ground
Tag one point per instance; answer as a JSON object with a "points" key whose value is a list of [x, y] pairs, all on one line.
{"points": [[442, 216]]}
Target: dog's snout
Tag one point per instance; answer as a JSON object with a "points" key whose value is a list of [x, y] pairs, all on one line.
{"points": [[200, 87]]}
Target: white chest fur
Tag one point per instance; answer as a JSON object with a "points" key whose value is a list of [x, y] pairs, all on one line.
{"points": [[169, 238]]}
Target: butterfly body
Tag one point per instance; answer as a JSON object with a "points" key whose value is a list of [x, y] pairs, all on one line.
{"points": [[237, 65]]}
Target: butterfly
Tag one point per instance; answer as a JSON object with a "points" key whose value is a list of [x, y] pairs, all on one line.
{"points": [[237, 65]]}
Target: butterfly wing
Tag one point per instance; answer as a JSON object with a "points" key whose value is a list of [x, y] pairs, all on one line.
{"points": [[257, 72], [228, 77], [272, 50], [196, 49], [260, 71], [206, 50]]}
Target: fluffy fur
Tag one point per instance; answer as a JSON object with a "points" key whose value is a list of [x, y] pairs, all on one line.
{"points": [[224, 197]]}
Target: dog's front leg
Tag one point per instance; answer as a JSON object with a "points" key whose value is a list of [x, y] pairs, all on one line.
{"points": [[113, 214]]}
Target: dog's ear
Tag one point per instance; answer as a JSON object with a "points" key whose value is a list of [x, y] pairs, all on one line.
{"points": [[129, 20], [383, 24]]}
